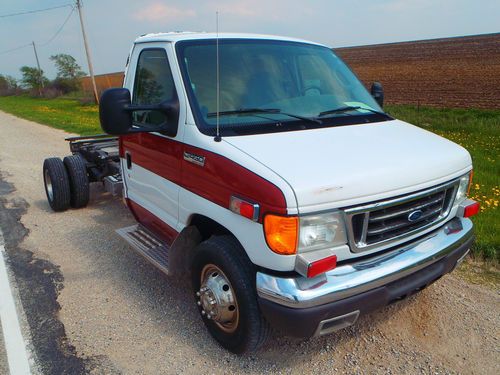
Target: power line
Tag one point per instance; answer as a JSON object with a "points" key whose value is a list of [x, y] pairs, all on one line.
{"points": [[15, 49], [60, 28], [34, 11], [47, 42]]}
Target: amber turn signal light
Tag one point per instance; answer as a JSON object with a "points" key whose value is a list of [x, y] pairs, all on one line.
{"points": [[471, 175], [281, 233]]}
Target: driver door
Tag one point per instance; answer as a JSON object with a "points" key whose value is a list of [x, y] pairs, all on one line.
{"points": [[151, 162]]}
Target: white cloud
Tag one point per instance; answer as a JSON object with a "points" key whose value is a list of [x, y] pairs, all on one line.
{"points": [[160, 12]]}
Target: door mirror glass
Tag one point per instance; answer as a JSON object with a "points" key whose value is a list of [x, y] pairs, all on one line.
{"points": [[117, 115], [377, 92], [114, 113]]}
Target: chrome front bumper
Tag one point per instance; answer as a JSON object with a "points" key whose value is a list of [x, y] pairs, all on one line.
{"points": [[352, 279]]}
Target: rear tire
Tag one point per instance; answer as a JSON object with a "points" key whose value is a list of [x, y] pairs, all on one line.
{"points": [[56, 183], [78, 180], [222, 272]]}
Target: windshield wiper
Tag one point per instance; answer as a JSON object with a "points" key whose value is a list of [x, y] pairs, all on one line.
{"points": [[252, 111], [351, 108]]}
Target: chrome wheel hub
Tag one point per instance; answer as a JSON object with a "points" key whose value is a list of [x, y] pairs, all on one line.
{"points": [[48, 185], [216, 298]]}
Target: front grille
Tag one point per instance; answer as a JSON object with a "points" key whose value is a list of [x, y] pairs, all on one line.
{"points": [[383, 223]]}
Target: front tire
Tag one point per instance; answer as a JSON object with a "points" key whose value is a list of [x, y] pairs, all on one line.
{"points": [[223, 280], [56, 181]]}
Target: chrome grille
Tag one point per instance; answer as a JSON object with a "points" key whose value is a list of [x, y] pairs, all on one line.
{"points": [[381, 224]]}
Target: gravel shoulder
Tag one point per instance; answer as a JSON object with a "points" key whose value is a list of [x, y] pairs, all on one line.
{"points": [[4, 365], [120, 315]]}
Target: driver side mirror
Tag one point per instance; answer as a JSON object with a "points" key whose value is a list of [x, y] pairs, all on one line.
{"points": [[377, 92], [115, 114]]}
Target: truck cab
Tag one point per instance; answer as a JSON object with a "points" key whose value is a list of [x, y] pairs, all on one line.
{"points": [[261, 167]]}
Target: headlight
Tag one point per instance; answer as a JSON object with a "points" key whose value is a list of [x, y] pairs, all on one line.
{"points": [[321, 231], [463, 187]]}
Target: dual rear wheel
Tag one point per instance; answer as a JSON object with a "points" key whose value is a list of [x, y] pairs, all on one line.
{"points": [[66, 182]]}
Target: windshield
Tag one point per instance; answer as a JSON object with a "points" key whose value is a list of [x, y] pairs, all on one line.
{"points": [[270, 86]]}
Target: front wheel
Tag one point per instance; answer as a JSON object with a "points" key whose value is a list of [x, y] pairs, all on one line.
{"points": [[223, 280]]}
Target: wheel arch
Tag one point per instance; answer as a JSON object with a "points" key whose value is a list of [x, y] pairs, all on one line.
{"points": [[198, 229]]}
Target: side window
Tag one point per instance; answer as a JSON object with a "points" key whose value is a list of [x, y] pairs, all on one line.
{"points": [[153, 84]]}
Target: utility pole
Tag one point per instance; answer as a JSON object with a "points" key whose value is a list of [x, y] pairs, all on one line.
{"points": [[40, 74], [87, 51]]}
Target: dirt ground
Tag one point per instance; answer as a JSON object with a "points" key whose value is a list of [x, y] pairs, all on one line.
{"points": [[449, 72], [94, 306]]}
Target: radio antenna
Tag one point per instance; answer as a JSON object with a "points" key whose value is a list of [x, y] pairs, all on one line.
{"points": [[217, 134]]}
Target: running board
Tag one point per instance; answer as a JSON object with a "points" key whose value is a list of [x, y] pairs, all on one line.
{"points": [[146, 244]]}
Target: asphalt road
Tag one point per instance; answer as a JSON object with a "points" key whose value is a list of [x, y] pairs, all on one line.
{"points": [[93, 306]]}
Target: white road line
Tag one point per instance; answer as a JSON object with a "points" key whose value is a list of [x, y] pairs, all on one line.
{"points": [[17, 355]]}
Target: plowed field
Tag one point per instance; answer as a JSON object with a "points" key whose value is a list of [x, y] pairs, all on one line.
{"points": [[451, 72]]}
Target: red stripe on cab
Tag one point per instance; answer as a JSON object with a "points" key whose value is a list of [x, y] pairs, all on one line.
{"points": [[216, 180]]}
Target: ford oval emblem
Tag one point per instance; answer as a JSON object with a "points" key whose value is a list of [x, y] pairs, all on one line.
{"points": [[415, 215]]}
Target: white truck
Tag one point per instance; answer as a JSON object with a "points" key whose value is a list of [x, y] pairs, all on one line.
{"points": [[261, 167]]}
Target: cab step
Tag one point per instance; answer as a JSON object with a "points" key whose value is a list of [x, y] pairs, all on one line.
{"points": [[146, 244]]}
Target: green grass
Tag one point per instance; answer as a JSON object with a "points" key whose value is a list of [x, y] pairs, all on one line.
{"points": [[64, 114], [476, 130]]}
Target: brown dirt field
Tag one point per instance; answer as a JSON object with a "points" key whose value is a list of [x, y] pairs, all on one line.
{"points": [[450, 72]]}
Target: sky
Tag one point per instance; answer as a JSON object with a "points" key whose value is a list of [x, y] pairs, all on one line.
{"points": [[112, 25]]}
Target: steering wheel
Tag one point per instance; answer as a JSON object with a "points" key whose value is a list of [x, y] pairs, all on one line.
{"points": [[311, 87]]}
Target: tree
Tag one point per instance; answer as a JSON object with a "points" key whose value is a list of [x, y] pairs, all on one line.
{"points": [[7, 83], [11, 82], [32, 77], [68, 72], [67, 68], [4, 85]]}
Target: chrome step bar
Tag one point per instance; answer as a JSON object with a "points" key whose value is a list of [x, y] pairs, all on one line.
{"points": [[146, 244]]}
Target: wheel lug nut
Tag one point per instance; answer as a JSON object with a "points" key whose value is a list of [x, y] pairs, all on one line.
{"points": [[209, 316], [198, 294], [198, 303], [203, 312]]}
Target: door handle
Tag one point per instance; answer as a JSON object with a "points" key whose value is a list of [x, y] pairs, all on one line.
{"points": [[129, 160]]}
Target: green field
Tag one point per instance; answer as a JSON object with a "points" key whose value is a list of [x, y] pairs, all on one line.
{"points": [[66, 114], [476, 130]]}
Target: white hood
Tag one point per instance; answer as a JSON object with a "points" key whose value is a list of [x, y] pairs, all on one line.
{"points": [[346, 165]]}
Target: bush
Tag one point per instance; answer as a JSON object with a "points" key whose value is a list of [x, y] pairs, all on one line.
{"points": [[66, 85], [51, 92], [9, 86]]}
